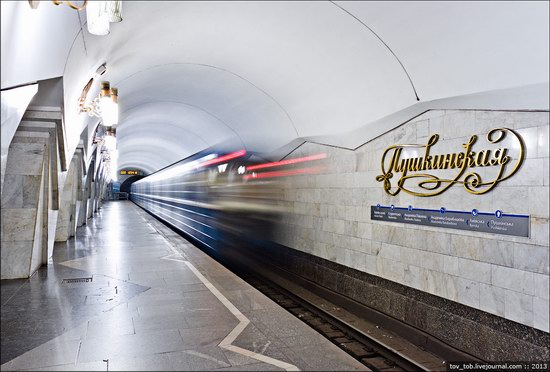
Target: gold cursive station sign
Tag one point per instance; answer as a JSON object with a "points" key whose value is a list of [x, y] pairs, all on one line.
{"points": [[395, 162]]}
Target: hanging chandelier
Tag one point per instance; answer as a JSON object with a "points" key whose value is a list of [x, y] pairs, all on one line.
{"points": [[99, 14]]}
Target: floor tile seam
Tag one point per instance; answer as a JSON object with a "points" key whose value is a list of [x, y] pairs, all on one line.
{"points": [[131, 356], [262, 358], [14, 293], [243, 321], [49, 366]]}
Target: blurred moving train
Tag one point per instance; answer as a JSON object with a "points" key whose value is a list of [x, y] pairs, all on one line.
{"points": [[220, 197]]}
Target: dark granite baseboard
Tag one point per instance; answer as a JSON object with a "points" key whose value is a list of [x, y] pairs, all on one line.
{"points": [[484, 335]]}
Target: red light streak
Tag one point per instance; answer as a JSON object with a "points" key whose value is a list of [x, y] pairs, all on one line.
{"points": [[284, 173], [221, 159], [286, 162]]}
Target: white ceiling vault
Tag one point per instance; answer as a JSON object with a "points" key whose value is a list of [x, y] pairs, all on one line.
{"points": [[192, 74]]}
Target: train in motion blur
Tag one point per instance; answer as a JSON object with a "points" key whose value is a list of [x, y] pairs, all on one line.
{"points": [[220, 198]]}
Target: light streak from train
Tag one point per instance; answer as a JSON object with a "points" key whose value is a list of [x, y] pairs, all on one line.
{"points": [[287, 162], [221, 159], [283, 173], [178, 170]]}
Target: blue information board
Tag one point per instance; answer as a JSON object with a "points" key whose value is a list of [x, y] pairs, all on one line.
{"points": [[496, 222]]}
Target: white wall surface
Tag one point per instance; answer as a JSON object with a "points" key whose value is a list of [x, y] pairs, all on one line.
{"points": [[35, 42]]}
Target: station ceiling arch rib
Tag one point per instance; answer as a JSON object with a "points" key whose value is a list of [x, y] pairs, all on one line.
{"points": [[270, 72]]}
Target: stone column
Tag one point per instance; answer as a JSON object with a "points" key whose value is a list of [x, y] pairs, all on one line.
{"points": [[80, 214], [67, 205], [100, 180], [24, 205], [52, 185]]}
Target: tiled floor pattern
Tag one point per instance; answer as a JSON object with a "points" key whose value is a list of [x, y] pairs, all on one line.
{"points": [[155, 303]]}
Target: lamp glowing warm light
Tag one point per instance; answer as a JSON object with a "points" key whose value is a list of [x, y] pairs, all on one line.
{"points": [[98, 13], [97, 17], [112, 113], [105, 94], [114, 165], [108, 103], [110, 143]]}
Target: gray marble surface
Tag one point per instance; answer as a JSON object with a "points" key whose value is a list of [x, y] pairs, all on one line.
{"points": [[23, 206], [148, 309]]}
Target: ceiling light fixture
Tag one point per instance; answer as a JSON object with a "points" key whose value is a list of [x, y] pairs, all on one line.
{"points": [[99, 14], [97, 18], [110, 152], [109, 140], [105, 106], [82, 106], [108, 102]]}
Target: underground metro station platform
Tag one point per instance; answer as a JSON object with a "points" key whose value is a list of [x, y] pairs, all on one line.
{"points": [[307, 185]]}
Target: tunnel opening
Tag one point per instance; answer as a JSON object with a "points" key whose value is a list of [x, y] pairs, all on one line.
{"points": [[126, 186]]}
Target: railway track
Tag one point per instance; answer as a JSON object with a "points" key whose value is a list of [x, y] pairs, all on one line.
{"points": [[366, 350]]}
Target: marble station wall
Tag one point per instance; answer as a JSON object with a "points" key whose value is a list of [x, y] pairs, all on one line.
{"points": [[502, 275], [42, 201]]}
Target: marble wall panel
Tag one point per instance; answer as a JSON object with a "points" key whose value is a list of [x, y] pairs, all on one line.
{"points": [[26, 154], [492, 299], [537, 208], [532, 258], [66, 217], [513, 279], [18, 224], [542, 286], [539, 230], [422, 129], [32, 187], [16, 258], [496, 252], [412, 276], [474, 270], [541, 313], [531, 174], [52, 227], [468, 292], [498, 274], [40, 243], [466, 246], [23, 205], [450, 265], [519, 307], [531, 139], [12, 196]]}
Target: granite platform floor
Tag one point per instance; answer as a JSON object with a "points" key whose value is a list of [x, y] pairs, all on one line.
{"points": [[149, 300]]}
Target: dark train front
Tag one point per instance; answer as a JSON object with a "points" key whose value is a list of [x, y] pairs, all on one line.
{"points": [[216, 198]]}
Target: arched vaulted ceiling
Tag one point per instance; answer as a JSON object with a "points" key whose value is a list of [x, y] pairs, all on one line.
{"points": [[193, 74]]}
